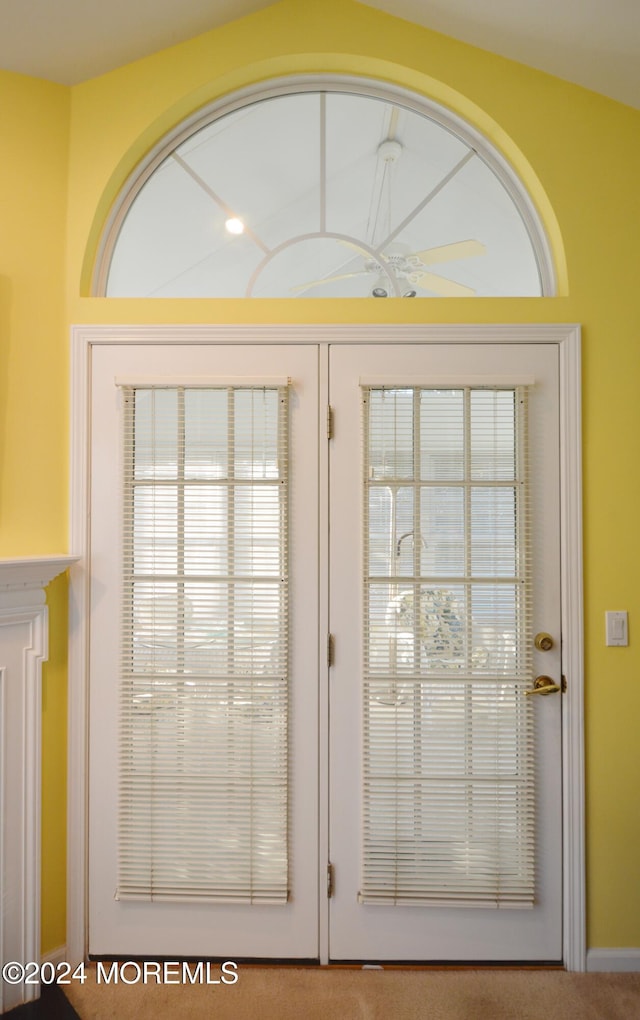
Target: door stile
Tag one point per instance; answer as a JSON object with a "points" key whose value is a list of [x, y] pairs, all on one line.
{"points": [[324, 669]]}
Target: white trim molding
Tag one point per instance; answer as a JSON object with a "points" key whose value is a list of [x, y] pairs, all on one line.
{"points": [[55, 956], [566, 337], [613, 961], [23, 649], [572, 609]]}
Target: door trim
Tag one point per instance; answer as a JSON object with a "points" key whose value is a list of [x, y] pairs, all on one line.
{"points": [[566, 336]]}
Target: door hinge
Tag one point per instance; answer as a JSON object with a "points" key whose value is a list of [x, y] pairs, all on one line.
{"points": [[329, 880], [329, 421], [330, 649]]}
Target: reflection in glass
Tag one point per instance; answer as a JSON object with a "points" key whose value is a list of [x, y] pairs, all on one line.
{"points": [[340, 192]]}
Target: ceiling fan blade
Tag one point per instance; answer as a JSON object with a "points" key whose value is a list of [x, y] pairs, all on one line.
{"points": [[441, 286], [325, 279], [450, 252]]}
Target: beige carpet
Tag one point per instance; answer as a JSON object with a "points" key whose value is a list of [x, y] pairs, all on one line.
{"points": [[291, 993]]}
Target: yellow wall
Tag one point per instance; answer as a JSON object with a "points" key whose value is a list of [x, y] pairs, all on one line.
{"points": [[577, 151], [34, 146], [34, 125]]}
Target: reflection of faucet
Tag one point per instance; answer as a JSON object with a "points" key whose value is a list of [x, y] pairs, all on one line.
{"points": [[401, 540]]}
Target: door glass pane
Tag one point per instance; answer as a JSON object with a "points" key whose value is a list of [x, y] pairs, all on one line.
{"points": [[206, 445], [441, 416], [492, 426], [448, 769], [204, 685]]}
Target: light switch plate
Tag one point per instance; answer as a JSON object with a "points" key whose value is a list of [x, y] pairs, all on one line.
{"points": [[617, 628]]}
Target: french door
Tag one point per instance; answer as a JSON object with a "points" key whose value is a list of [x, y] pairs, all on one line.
{"points": [[213, 505], [445, 801], [203, 809]]}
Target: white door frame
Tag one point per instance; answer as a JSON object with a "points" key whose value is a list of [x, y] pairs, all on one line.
{"points": [[566, 337]]}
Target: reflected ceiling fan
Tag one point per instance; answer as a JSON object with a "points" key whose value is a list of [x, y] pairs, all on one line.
{"points": [[398, 269], [411, 270]]}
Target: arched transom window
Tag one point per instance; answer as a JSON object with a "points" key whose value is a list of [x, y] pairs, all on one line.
{"points": [[324, 189]]}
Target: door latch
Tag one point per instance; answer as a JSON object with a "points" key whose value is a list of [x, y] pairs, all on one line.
{"points": [[543, 685]]}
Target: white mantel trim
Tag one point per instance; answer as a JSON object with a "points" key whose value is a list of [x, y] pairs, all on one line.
{"points": [[32, 571], [22, 601]]}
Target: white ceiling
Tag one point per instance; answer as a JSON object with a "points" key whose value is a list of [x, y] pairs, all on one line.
{"points": [[595, 43]]}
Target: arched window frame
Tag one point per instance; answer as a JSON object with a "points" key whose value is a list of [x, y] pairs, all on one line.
{"points": [[297, 84]]}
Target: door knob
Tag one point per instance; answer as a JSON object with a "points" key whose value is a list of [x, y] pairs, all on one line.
{"points": [[543, 685]]}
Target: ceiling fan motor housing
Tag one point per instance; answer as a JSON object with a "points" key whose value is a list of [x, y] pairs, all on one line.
{"points": [[390, 151]]}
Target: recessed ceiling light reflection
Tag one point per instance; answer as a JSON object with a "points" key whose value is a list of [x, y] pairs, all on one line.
{"points": [[234, 225]]}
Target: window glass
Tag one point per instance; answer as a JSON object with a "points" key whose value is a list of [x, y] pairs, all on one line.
{"points": [[322, 193]]}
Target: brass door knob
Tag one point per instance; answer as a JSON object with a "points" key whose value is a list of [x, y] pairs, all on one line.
{"points": [[543, 641], [543, 685]]}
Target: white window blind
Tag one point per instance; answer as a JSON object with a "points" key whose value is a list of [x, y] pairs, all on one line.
{"points": [[449, 790], [204, 686]]}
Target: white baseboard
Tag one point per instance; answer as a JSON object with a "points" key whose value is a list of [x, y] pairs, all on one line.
{"points": [[621, 960], [55, 956]]}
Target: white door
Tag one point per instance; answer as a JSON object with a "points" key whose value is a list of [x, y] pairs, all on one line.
{"points": [[436, 754], [445, 817], [204, 607]]}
